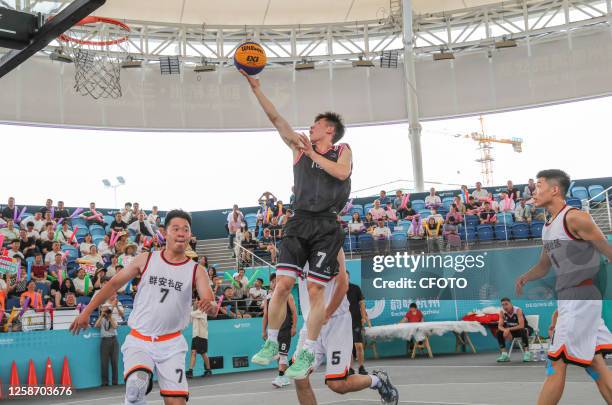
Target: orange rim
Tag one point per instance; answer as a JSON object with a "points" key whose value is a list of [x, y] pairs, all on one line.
{"points": [[93, 20]]}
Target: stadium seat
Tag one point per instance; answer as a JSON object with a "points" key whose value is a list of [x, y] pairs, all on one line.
{"points": [[398, 241], [350, 243], [367, 207], [97, 240], [391, 226], [467, 233], [505, 217], [30, 259], [11, 303], [80, 222], [95, 230], [424, 213], [574, 202], [366, 243], [595, 189], [44, 288], [346, 218], [536, 229], [442, 211], [108, 219], [472, 220], [73, 253], [502, 232], [357, 208], [251, 220], [484, 232], [520, 231], [83, 300], [418, 205], [580, 192], [447, 202]]}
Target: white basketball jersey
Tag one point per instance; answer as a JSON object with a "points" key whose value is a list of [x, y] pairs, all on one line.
{"points": [[163, 301], [329, 292], [574, 260]]}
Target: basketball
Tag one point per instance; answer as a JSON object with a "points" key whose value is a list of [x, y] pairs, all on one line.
{"points": [[250, 57]]}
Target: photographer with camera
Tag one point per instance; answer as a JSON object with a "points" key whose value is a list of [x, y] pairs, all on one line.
{"points": [[109, 346]]}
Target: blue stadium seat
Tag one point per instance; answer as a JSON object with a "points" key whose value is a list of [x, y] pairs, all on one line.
{"points": [[73, 253], [44, 288], [424, 213], [11, 303], [502, 232], [30, 259], [595, 189], [108, 219], [536, 229], [80, 222], [467, 233], [367, 207], [398, 241], [574, 202], [580, 192], [366, 242], [83, 300], [484, 232], [251, 220], [391, 226], [97, 239], [346, 218], [442, 211], [95, 230], [357, 208], [447, 202], [418, 205], [472, 220], [520, 231], [505, 217], [350, 243]]}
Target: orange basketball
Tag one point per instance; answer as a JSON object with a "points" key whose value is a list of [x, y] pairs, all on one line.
{"points": [[250, 57]]}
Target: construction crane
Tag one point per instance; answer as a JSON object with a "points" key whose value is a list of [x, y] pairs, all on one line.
{"points": [[485, 149]]}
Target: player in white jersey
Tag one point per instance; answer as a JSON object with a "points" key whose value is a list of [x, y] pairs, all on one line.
{"points": [[162, 309], [335, 344], [572, 244]]}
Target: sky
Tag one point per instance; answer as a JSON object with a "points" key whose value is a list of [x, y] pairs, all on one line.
{"points": [[201, 171]]}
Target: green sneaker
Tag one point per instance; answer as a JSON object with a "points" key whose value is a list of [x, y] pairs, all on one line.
{"points": [[527, 356], [267, 354], [302, 366], [504, 358]]}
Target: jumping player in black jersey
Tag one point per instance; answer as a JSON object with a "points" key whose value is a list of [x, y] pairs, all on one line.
{"points": [[322, 185]]}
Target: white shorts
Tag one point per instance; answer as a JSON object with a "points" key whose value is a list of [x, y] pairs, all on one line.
{"points": [[167, 357], [580, 333], [334, 346]]}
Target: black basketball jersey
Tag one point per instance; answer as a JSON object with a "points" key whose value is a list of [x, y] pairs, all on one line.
{"points": [[511, 320], [317, 191]]}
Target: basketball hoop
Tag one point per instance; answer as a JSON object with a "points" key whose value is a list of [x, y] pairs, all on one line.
{"points": [[95, 45]]}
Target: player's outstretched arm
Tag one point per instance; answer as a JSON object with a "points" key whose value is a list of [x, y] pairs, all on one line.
{"points": [[581, 224], [536, 272], [119, 280], [290, 137], [340, 169], [207, 299]]}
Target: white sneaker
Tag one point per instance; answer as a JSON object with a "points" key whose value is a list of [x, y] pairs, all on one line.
{"points": [[281, 381]]}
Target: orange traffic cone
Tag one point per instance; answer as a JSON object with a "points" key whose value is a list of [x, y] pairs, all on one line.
{"points": [[14, 381], [32, 380], [65, 380], [49, 380]]}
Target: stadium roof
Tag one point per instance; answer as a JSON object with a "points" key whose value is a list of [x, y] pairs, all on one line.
{"points": [[265, 12]]}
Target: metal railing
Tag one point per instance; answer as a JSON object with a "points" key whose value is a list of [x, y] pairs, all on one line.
{"points": [[607, 204]]}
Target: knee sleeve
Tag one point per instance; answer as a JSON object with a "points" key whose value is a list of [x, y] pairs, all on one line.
{"points": [[137, 387], [592, 373], [282, 360]]}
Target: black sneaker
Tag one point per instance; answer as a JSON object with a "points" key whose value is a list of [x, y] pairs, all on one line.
{"points": [[207, 373], [351, 371], [388, 393], [362, 370], [189, 373]]}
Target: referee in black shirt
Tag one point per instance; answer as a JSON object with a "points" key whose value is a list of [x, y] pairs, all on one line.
{"points": [[358, 314]]}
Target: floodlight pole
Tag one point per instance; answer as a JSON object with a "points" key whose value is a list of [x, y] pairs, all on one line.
{"points": [[412, 102]]}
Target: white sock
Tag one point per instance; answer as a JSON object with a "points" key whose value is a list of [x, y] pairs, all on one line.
{"points": [[309, 345], [375, 381], [273, 335]]}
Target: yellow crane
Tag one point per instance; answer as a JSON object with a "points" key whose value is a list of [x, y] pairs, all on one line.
{"points": [[485, 148]]}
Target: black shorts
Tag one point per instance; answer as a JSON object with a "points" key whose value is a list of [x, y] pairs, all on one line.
{"points": [[284, 341], [313, 239], [357, 334], [200, 345]]}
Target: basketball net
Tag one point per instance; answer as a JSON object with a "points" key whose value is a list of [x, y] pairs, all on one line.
{"points": [[95, 45]]}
